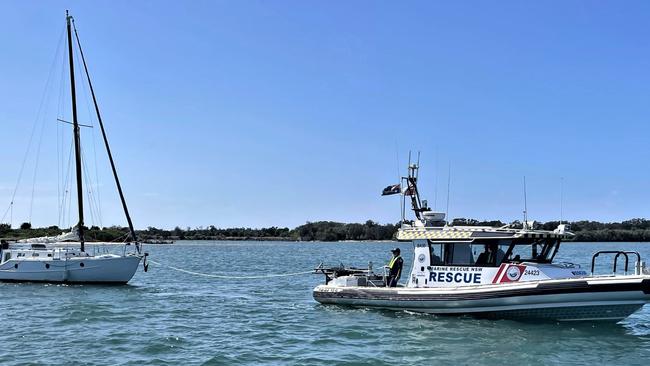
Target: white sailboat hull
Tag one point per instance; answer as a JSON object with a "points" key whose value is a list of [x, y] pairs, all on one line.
{"points": [[106, 269]]}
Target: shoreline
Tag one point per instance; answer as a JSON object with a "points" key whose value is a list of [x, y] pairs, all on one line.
{"points": [[633, 230]]}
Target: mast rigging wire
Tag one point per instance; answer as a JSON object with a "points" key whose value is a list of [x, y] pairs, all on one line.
{"points": [[46, 94], [31, 136], [108, 149], [92, 118], [60, 144], [94, 213], [38, 155], [65, 191]]}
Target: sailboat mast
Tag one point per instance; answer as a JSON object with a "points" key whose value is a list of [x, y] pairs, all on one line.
{"points": [[77, 141], [108, 148]]}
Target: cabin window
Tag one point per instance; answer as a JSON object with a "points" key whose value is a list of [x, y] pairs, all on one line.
{"points": [[521, 253], [458, 254], [436, 254], [483, 254], [35, 254], [462, 254], [541, 251], [489, 254]]}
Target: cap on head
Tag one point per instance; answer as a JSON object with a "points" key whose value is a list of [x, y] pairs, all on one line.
{"points": [[395, 251]]}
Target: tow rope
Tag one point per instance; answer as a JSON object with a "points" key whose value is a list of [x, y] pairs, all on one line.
{"points": [[230, 277]]}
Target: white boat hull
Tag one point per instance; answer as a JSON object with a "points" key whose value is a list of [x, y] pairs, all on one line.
{"points": [[106, 269], [598, 298]]}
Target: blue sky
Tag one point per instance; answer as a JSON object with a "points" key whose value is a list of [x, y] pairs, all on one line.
{"points": [[261, 113]]}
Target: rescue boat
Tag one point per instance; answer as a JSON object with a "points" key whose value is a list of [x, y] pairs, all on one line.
{"points": [[491, 272]]}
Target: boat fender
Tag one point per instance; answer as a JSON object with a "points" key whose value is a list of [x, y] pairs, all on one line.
{"points": [[145, 265]]}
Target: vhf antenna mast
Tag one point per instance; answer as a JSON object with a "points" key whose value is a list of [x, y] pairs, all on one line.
{"points": [[561, 198], [399, 180], [404, 192], [525, 226], [435, 184], [448, 188]]}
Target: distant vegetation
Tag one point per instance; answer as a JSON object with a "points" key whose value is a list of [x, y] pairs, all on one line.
{"points": [[630, 230]]}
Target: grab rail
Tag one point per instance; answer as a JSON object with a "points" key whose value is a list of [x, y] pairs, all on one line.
{"points": [[618, 254]]}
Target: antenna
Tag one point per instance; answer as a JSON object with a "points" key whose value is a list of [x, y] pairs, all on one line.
{"points": [[561, 198], [525, 206], [401, 207], [417, 172], [404, 192], [435, 184], [399, 178], [409, 157], [397, 160], [448, 185]]}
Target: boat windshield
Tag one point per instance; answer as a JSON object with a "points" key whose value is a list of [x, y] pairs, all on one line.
{"points": [[540, 251], [491, 253]]}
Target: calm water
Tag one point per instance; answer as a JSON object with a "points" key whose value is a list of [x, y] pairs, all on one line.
{"points": [[167, 317]]}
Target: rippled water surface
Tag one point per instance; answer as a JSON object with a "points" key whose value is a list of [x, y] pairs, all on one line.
{"points": [[170, 317]]}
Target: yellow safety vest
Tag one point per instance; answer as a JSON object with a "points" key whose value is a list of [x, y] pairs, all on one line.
{"points": [[392, 262]]}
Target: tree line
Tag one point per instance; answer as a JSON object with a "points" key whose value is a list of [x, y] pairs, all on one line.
{"points": [[636, 230]]}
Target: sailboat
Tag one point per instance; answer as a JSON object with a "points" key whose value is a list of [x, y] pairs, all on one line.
{"points": [[64, 258]]}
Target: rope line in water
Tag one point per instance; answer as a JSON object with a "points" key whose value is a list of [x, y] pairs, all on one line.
{"points": [[230, 277]]}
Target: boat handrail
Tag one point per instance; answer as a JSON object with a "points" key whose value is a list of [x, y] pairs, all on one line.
{"points": [[618, 254]]}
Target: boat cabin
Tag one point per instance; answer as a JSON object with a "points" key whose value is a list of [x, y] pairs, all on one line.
{"points": [[486, 247], [466, 255], [36, 251]]}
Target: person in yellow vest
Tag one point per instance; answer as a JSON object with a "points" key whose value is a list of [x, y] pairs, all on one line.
{"points": [[394, 268]]}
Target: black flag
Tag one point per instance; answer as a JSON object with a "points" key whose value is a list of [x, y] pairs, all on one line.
{"points": [[394, 189]]}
